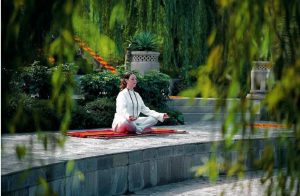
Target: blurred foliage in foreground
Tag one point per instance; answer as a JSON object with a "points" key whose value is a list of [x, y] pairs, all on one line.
{"points": [[33, 30], [37, 31], [248, 31]]}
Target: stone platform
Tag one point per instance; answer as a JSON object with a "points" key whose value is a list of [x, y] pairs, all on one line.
{"points": [[250, 185], [112, 166]]}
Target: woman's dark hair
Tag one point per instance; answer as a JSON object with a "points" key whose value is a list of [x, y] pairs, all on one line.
{"points": [[125, 77]]}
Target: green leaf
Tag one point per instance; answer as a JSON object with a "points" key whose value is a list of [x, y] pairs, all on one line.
{"points": [[70, 167], [117, 15], [80, 175], [211, 37], [21, 151]]}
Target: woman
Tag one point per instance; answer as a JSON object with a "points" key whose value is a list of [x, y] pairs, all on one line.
{"points": [[129, 106]]}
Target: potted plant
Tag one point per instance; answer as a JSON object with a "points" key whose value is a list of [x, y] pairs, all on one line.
{"points": [[142, 52]]}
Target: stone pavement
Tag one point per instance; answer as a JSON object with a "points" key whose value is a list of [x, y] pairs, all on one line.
{"points": [[113, 166], [78, 148], [250, 185]]}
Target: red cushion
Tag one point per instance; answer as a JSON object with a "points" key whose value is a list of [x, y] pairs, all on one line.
{"points": [[108, 133]]}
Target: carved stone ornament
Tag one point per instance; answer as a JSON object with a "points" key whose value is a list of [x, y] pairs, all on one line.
{"points": [[144, 61], [259, 77]]}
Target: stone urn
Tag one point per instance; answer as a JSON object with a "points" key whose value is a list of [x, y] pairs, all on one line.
{"points": [[144, 61], [259, 77]]}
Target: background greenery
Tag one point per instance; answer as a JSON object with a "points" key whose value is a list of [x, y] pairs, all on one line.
{"points": [[95, 110], [182, 26], [247, 31]]}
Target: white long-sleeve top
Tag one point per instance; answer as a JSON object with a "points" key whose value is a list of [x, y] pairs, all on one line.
{"points": [[130, 103]]}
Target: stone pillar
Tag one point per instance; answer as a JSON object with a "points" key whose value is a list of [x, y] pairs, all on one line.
{"points": [[127, 60], [259, 88], [259, 76], [144, 61]]}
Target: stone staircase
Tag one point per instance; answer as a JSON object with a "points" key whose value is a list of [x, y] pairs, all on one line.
{"points": [[204, 109]]}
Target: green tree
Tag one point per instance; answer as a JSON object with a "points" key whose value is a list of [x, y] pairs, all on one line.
{"points": [[33, 30], [245, 31], [181, 25]]}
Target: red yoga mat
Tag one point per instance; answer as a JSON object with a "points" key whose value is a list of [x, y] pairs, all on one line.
{"points": [[108, 133]]}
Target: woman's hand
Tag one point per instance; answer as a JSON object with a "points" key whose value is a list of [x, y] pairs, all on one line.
{"points": [[166, 116], [132, 118]]}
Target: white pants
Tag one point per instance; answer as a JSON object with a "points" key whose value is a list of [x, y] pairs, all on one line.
{"points": [[145, 122], [140, 123]]}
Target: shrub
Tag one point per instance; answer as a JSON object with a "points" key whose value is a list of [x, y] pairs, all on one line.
{"points": [[80, 118], [30, 114], [15, 105], [92, 115], [99, 85], [178, 85], [176, 117], [45, 116], [98, 108], [100, 113], [35, 80], [66, 74], [38, 114], [154, 88]]}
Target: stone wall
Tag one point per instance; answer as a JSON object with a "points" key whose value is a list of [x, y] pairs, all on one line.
{"points": [[127, 172]]}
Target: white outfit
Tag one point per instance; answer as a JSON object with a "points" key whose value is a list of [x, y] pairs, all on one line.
{"points": [[130, 103]]}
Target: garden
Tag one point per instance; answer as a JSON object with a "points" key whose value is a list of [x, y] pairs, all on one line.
{"points": [[95, 104], [97, 46]]}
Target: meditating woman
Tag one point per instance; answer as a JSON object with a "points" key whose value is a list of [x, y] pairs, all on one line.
{"points": [[129, 106]]}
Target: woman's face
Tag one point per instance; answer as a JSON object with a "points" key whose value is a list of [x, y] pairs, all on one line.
{"points": [[131, 82]]}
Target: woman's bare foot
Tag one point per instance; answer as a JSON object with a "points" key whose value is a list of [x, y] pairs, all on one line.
{"points": [[147, 130]]}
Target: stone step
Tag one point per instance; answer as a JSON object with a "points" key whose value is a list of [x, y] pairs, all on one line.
{"points": [[199, 102], [224, 185], [196, 109], [196, 117], [204, 109]]}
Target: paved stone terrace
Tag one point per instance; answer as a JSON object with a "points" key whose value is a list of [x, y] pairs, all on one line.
{"points": [[79, 148], [114, 166], [250, 185]]}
